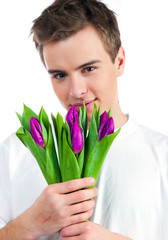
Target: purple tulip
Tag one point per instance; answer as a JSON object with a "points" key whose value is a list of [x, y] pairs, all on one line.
{"points": [[72, 119], [103, 117], [72, 116], [36, 131], [76, 137], [106, 126]]}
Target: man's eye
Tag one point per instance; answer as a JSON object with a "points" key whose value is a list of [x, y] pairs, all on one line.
{"points": [[59, 76], [88, 69]]}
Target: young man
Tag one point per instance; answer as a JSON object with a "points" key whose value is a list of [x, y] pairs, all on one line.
{"points": [[79, 44]]}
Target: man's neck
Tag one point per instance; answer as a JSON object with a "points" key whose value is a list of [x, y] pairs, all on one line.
{"points": [[119, 118]]}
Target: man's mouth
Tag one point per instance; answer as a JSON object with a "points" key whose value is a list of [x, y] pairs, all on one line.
{"points": [[89, 104]]}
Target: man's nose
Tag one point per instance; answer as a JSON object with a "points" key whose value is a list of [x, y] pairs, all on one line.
{"points": [[78, 87]]}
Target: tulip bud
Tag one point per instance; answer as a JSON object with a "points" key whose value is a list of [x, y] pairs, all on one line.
{"points": [[106, 127], [77, 138], [103, 119], [36, 131], [72, 116]]}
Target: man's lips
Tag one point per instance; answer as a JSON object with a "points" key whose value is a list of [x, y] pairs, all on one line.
{"points": [[87, 103]]}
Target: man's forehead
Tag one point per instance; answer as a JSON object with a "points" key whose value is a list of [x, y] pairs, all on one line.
{"points": [[83, 47], [82, 37]]}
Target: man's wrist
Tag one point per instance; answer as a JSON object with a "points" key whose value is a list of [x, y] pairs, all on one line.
{"points": [[18, 229], [15, 231]]}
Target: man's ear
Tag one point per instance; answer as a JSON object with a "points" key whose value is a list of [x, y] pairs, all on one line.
{"points": [[120, 62]]}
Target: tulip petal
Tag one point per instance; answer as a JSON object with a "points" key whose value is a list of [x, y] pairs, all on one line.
{"points": [[36, 131], [103, 117], [77, 138], [103, 120], [108, 128], [72, 116]]}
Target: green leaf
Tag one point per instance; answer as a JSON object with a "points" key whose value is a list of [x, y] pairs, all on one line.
{"points": [[45, 124], [70, 168], [27, 114], [37, 151], [84, 120], [58, 127], [44, 117], [81, 161], [68, 133], [20, 117], [96, 158], [80, 120], [109, 113], [92, 138], [52, 166], [44, 132], [54, 123], [98, 117], [80, 112], [95, 112]]}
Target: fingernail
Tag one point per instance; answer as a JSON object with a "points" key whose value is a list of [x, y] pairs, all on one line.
{"points": [[92, 180]]}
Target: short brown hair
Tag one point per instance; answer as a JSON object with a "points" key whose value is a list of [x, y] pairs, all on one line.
{"points": [[63, 18]]}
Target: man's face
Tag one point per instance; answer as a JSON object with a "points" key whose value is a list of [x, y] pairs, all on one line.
{"points": [[82, 71]]}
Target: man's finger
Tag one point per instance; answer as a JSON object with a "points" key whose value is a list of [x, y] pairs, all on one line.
{"points": [[73, 230], [74, 185], [80, 196]]}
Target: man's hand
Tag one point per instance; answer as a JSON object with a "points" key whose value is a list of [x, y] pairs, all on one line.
{"points": [[59, 205], [89, 231]]}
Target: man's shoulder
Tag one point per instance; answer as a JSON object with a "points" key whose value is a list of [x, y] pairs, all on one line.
{"points": [[152, 135], [153, 139], [137, 131], [140, 136]]}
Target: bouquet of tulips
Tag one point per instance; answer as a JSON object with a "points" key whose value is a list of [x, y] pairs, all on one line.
{"points": [[78, 152]]}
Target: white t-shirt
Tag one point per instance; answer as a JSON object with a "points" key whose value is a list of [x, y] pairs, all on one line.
{"points": [[133, 184]]}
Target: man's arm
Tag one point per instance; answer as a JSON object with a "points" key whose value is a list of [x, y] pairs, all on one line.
{"points": [[59, 205], [14, 230]]}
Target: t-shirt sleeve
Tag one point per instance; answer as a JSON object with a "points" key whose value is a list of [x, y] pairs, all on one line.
{"points": [[2, 223], [5, 185]]}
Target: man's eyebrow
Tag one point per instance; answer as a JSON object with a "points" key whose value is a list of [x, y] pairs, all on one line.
{"points": [[52, 71], [88, 63]]}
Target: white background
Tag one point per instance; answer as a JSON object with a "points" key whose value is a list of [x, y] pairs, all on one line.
{"points": [[142, 88]]}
